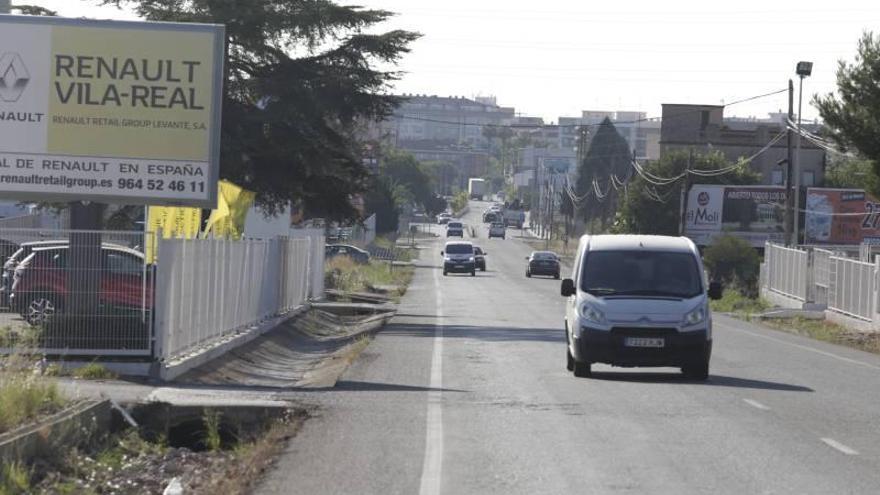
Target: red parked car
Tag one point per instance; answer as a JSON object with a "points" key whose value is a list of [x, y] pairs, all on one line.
{"points": [[40, 288]]}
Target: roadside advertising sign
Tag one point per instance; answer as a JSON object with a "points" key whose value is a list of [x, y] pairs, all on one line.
{"points": [[842, 216], [110, 111], [753, 213]]}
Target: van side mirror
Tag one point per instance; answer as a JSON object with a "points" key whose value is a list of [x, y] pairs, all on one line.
{"points": [[441, 253], [715, 290], [568, 288]]}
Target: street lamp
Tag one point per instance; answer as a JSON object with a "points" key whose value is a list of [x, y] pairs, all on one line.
{"points": [[803, 70]]}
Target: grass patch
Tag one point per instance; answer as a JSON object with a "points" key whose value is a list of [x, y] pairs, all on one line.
{"points": [[93, 371], [25, 398], [341, 273], [212, 430], [251, 459], [827, 331], [14, 479], [732, 301], [19, 337], [127, 463]]}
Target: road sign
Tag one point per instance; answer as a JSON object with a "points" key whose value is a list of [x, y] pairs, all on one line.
{"points": [[110, 111]]}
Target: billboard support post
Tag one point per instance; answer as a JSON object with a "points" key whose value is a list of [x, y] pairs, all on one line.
{"points": [[685, 191]]}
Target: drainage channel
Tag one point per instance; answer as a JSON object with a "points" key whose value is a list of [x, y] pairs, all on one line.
{"points": [[205, 428]]}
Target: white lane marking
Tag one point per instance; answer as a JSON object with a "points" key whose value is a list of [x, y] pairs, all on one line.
{"points": [[834, 444], [433, 463], [756, 404], [804, 347]]}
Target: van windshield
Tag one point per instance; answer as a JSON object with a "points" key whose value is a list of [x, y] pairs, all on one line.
{"points": [[641, 273], [460, 249]]}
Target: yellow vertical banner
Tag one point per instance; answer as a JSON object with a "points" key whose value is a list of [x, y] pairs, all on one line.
{"points": [[233, 203], [168, 222]]}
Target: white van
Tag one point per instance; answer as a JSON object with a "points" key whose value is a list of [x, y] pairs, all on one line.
{"points": [[638, 300]]}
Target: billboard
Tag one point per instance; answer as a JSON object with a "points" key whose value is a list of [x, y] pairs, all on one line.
{"points": [[110, 111], [841, 216], [753, 213]]}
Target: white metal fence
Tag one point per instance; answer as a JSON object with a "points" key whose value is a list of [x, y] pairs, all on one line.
{"points": [[844, 286], [853, 288], [88, 293], [208, 290], [316, 286], [786, 271], [821, 276]]}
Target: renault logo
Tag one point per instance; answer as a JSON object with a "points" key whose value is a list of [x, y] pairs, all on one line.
{"points": [[14, 77]]}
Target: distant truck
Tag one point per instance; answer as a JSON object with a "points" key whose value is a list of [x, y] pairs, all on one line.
{"points": [[514, 218], [476, 188]]}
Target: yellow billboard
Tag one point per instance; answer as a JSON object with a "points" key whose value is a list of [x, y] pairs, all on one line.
{"points": [[110, 111]]}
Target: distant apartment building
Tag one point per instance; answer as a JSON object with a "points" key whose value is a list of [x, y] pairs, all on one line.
{"points": [[428, 122], [446, 129], [641, 134], [704, 128]]}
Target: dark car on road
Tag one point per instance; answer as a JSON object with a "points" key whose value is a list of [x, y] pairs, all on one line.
{"points": [[356, 254], [459, 257], [543, 263], [480, 258]]}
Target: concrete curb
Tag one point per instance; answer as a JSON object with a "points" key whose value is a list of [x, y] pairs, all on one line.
{"points": [[80, 424], [173, 369]]}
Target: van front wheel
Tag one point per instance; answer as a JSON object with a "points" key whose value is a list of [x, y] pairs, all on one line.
{"points": [[696, 371], [582, 370]]}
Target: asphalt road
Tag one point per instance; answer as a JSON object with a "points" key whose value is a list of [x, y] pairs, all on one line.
{"points": [[466, 392]]}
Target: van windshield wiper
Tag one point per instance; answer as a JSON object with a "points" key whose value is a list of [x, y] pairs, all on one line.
{"points": [[651, 292], [601, 291]]}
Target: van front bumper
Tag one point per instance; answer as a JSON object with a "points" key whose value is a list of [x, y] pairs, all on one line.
{"points": [[611, 347], [459, 266]]}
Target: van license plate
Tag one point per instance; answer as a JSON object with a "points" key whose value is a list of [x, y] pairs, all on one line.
{"points": [[643, 342], [459, 267]]}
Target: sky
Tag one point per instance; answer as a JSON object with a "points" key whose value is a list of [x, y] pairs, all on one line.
{"points": [[558, 57]]}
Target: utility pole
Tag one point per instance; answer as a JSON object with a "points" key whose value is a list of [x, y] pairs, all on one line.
{"points": [[790, 214], [685, 187], [535, 213], [551, 202]]}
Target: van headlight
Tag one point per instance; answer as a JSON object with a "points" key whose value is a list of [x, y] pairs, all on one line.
{"points": [[695, 317], [471, 259], [592, 314]]}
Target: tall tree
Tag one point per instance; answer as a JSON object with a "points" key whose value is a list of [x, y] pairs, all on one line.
{"points": [[301, 74], [851, 115], [651, 209], [851, 172], [380, 200], [607, 155]]}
